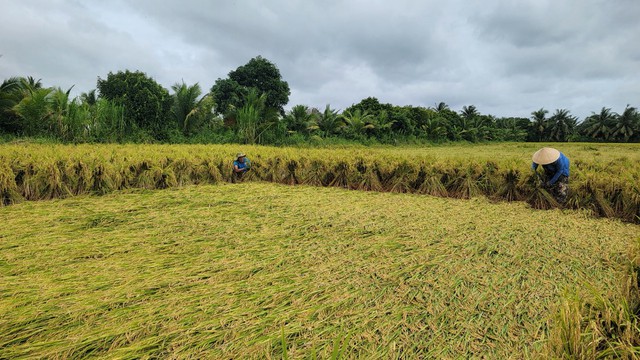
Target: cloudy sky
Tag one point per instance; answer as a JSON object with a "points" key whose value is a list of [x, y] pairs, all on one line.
{"points": [[508, 58]]}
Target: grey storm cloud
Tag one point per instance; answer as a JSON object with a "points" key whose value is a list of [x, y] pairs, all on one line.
{"points": [[508, 58]]}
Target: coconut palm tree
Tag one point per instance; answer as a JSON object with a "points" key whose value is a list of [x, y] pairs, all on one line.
{"points": [[329, 121], [469, 112], [34, 111], [300, 119], [90, 98], [10, 96], [434, 128], [626, 125], [562, 125], [539, 124], [599, 126], [358, 122], [187, 106], [441, 106]]}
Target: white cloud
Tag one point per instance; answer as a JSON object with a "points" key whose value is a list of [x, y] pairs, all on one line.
{"points": [[507, 58]]}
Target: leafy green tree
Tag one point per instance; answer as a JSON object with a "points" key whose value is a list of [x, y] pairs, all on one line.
{"points": [[59, 123], [260, 74], [370, 105], [469, 112], [382, 124], [10, 95], [539, 125], [441, 106], [357, 123], [599, 126], [189, 110], [254, 118], [511, 129], [627, 125], [329, 121], [34, 112], [146, 103], [562, 125], [434, 129], [90, 98], [228, 96], [300, 120]]}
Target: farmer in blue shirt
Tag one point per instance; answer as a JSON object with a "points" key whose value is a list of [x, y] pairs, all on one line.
{"points": [[241, 165], [556, 170]]}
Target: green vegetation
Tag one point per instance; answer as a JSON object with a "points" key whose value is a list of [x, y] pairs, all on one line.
{"points": [[258, 270], [249, 107]]}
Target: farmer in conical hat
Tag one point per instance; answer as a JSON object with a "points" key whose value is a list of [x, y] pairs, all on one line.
{"points": [[556, 170], [241, 165]]}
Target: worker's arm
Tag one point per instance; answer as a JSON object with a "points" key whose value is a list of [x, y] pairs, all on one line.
{"points": [[556, 176], [534, 166], [236, 169]]}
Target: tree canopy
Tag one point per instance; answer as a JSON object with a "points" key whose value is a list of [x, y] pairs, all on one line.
{"points": [[146, 103], [259, 74]]}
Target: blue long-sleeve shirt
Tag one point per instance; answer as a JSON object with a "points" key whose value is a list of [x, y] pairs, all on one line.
{"points": [[557, 168]]}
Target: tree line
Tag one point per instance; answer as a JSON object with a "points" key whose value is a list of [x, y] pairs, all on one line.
{"points": [[248, 107]]}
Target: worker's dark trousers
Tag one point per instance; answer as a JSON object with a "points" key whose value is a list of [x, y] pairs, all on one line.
{"points": [[560, 189]]}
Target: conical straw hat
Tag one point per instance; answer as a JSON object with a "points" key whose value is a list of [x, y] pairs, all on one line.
{"points": [[546, 156]]}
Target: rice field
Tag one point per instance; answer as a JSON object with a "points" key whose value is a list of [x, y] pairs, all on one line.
{"points": [[268, 271], [605, 178]]}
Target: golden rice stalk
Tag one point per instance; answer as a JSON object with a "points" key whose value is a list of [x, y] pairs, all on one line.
{"points": [[508, 189], [206, 172], [183, 171], [539, 197], [599, 203], [103, 179], [314, 173], [490, 180], [166, 178], [290, 177], [50, 181], [365, 177], [9, 193], [403, 178], [465, 183], [77, 176], [340, 175]]}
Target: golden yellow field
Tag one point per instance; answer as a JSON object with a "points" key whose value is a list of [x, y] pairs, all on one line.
{"points": [[605, 177], [260, 270]]}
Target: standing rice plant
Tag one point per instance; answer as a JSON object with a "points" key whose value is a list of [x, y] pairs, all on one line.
{"points": [[9, 193], [365, 176], [166, 178], [273, 169], [290, 177], [465, 183], [432, 183], [77, 176], [508, 188], [314, 173], [340, 174], [403, 178], [207, 172], [539, 197], [51, 182], [599, 204], [490, 179], [632, 199], [103, 179], [183, 170]]}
